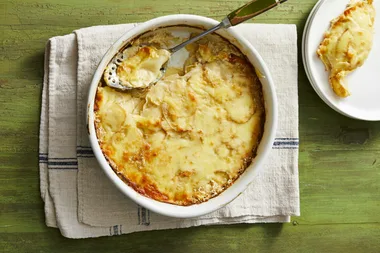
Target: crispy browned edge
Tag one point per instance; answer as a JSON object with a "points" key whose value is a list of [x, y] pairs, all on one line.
{"points": [[247, 160]]}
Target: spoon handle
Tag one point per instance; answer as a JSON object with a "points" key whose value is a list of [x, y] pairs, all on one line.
{"points": [[247, 11], [251, 10], [184, 44]]}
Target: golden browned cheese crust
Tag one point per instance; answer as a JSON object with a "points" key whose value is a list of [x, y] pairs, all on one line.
{"points": [[348, 42], [190, 136]]}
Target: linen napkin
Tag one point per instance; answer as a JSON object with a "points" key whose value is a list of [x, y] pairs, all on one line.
{"points": [[82, 202]]}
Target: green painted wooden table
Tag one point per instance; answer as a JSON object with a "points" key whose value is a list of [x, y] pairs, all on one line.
{"points": [[339, 161]]}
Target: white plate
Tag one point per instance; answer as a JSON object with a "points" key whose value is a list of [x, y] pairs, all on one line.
{"points": [[363, 83]]}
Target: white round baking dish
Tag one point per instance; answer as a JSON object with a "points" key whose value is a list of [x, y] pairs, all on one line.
{"points": [[269, 129]]}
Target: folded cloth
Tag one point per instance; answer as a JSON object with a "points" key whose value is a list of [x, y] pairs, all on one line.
{"points": [[82, 202]]}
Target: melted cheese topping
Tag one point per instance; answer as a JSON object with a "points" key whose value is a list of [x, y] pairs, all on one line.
{"points": [[348, 42], [187, 138], [137, 67]]}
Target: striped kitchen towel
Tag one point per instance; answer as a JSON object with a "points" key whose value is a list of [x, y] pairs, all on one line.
{"points": [[82, 202]]}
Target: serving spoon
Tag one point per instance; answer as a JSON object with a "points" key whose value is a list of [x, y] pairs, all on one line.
{"points": [[247, 11]]}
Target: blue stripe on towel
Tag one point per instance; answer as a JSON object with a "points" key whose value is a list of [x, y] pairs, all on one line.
{"points": [[85, 152], [284, 147], [138, 216], [286, 139], [65, 158], [62, 163], [58, 163], [285, 143], [143, 216], [116, 230]]}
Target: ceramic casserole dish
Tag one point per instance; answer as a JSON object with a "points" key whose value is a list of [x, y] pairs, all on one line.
{"points": [[270, 103]]}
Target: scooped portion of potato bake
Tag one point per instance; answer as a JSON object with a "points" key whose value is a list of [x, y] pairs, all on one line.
{"points": [[347, 43], [187, 138], [136, 66]]}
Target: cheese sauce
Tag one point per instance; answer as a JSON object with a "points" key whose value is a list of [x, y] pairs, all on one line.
{"points": [[188, 137]]}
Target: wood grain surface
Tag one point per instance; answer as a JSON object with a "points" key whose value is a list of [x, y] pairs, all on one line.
{"points": [[339, 157]]}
